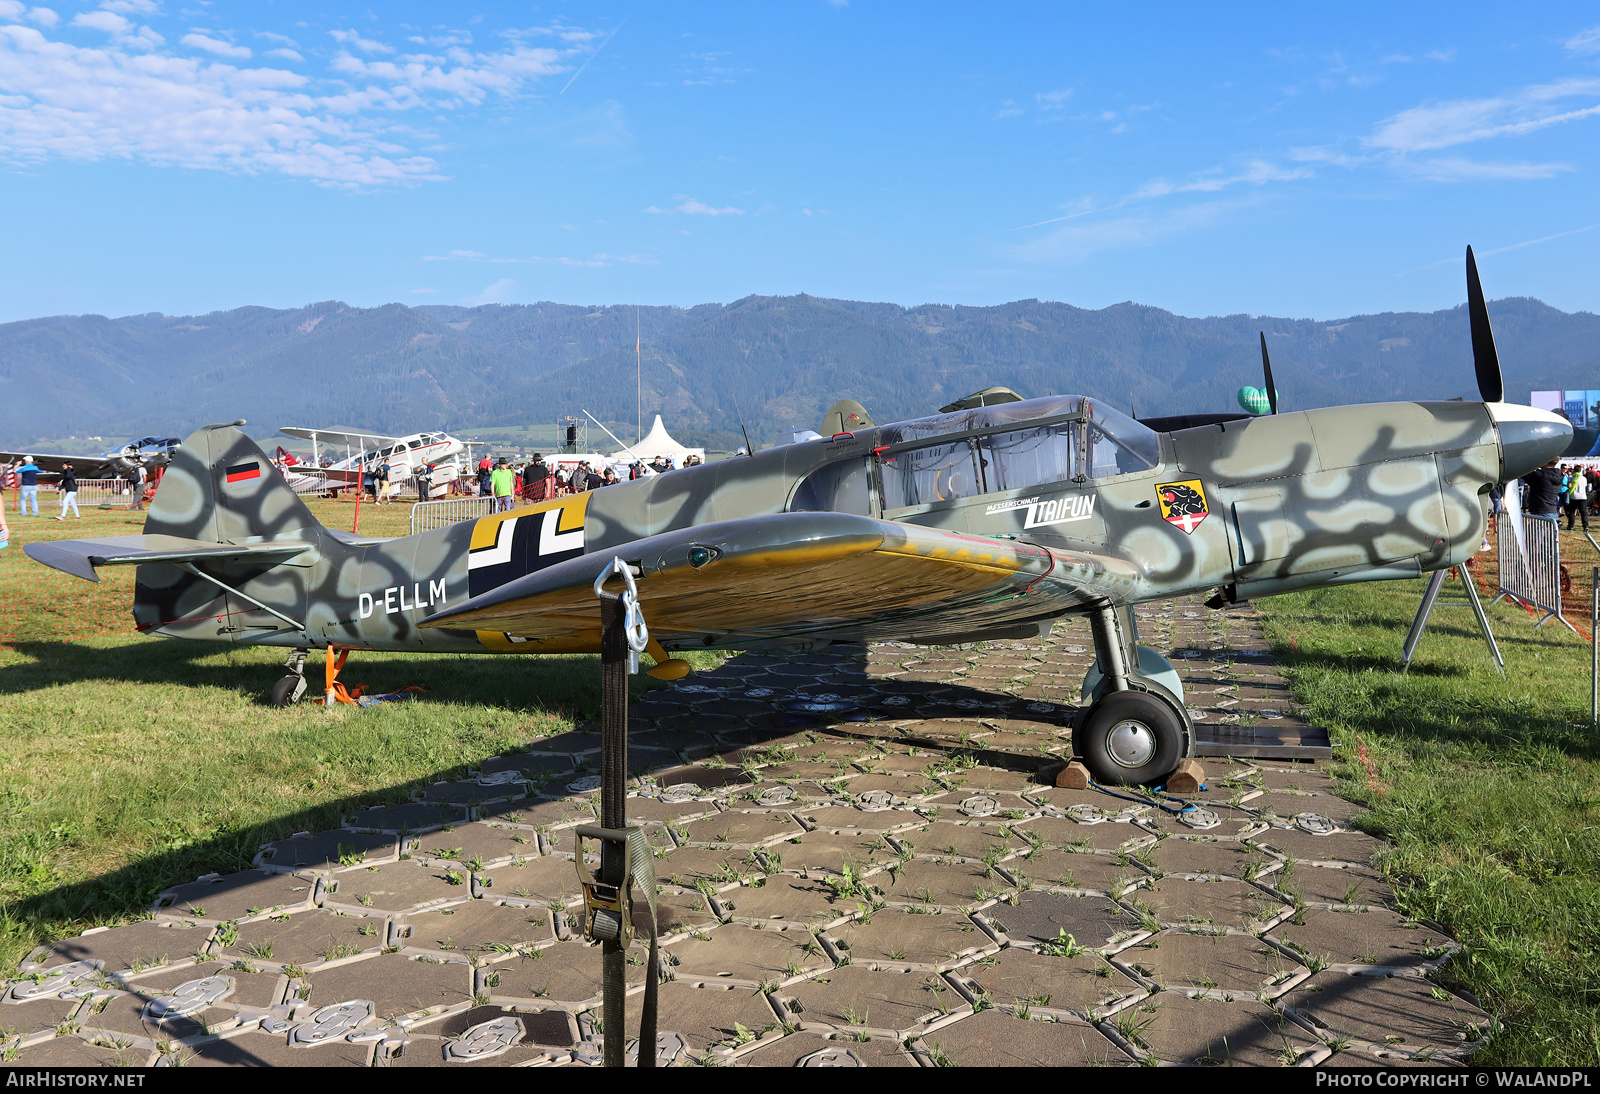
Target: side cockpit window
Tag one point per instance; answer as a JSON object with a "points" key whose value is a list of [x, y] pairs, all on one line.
{"points": [[837, 488], [1030, 457], [923, 476]]}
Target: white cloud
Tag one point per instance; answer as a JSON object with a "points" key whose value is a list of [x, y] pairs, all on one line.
{"points": [[132, 7], [44, 17], [1256, 173], [598, 260], [11, 9], [1462, 121], [198, 40], [354, 40], [1461, 170], [125, 33], [108, 21], [1585, 41], [1053, 100], [1076, 242], [691, 207], [136, 99], [286, 54], [497, 293]]}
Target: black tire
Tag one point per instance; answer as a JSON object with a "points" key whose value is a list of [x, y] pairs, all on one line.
{"points": [[1129, 738], [282, 693]]}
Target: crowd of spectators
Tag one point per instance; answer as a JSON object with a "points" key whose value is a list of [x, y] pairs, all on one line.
{"points": [[538, 481], [1558, 488]]}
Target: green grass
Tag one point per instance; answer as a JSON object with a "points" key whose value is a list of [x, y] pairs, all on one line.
{"points": [[1489, 791]]}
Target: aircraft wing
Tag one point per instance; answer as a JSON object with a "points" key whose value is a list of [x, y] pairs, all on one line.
{"points": [[803, 575], [50, 462], [354, 438], [81, 557]]}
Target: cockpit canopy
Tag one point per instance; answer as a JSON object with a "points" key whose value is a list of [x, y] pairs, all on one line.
{"points": [[1011, 446], [986, 450]]}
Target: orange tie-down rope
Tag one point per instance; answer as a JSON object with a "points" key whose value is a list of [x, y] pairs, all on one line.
{"points": [[336, 692]]}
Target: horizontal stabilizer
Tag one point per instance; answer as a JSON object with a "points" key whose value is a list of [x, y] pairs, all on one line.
{"points": [[81, 557]]}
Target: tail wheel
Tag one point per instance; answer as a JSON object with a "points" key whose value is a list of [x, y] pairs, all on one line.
{"points": [[1129, 738], [287, 691]]}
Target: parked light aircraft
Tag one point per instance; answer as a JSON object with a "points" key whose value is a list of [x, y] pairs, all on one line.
{"points": [[152, 452], [990, 521], [364, 451]]}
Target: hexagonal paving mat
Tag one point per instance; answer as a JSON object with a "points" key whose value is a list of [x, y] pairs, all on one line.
{"points": [[397, 983], [1404, 1012], [745, 954], [307, 938], [1189, 961], [903, 938], [235, 896], [398, 886], [857, 996], [1038, 916], [1374, 937], [993, 1038], [136, 946], [478, 928], [1177, 1029]]}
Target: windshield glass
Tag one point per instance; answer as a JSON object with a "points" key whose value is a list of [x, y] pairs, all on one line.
{"points": [[1118, 445]]}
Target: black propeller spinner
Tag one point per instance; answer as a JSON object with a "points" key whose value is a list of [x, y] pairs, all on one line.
{"points": [[1491, 384]]}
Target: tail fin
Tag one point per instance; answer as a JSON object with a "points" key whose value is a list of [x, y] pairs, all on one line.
{"points": [[221, 488]]}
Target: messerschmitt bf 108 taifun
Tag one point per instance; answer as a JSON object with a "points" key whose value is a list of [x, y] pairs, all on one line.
{"points": [[987, 522]]}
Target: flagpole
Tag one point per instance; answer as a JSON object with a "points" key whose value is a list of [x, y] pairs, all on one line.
{"points": [[638, 377]]}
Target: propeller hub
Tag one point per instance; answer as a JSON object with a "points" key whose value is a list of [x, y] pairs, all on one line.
{"points": [[1529, 437]]}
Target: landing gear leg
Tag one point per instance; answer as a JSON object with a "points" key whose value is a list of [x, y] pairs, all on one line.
{"points": [[1132, 728], [288, 691]]}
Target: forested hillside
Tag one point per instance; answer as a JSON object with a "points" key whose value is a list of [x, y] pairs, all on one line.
{"points": [[777, 360]]}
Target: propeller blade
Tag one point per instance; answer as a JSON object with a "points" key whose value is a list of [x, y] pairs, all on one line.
{"points": [[1266, 367], [1491, 384]]}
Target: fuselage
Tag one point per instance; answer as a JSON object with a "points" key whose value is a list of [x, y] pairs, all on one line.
{"points": [[1249, 507]]}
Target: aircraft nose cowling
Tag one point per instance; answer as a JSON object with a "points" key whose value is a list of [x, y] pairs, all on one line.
{"points": [[1529, 438]]}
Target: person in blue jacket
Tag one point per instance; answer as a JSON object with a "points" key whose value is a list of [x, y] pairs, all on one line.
{"points": [[28, 474]]}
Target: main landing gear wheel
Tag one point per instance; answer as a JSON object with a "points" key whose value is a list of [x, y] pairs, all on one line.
{"points": [[1129, 738], [287, 691]]}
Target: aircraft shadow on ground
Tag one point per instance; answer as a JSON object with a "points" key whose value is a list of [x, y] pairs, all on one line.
{"points": [[738, 723]]}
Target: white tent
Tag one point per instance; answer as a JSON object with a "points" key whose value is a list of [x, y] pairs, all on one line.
{"points": [[658, 442]]}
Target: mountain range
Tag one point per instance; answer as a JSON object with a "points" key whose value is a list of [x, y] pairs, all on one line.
{"points": [[776, 362]]}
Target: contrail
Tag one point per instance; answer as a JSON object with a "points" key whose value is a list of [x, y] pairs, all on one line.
{"points": [[1503, 250], [593, 55]]}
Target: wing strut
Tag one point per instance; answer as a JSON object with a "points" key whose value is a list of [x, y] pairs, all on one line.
{"points": [[190, 567]]}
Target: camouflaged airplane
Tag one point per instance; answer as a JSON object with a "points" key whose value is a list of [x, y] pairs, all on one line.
{"points": [[989, 521]]}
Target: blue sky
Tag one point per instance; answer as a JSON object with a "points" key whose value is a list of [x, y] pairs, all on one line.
{"points": [[164, 155]]}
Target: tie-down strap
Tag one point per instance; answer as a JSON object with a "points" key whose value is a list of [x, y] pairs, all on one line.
{"points": [[602, 901]]}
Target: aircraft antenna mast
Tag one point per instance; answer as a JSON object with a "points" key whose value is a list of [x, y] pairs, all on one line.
{"points": [[638, 376]]}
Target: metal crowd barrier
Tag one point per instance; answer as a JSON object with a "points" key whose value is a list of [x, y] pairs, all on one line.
{"points": [[428, 515], [99, 491], [1536, 579]]}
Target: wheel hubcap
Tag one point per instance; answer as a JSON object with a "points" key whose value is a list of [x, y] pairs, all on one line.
{"points": [[1131, 743]]}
